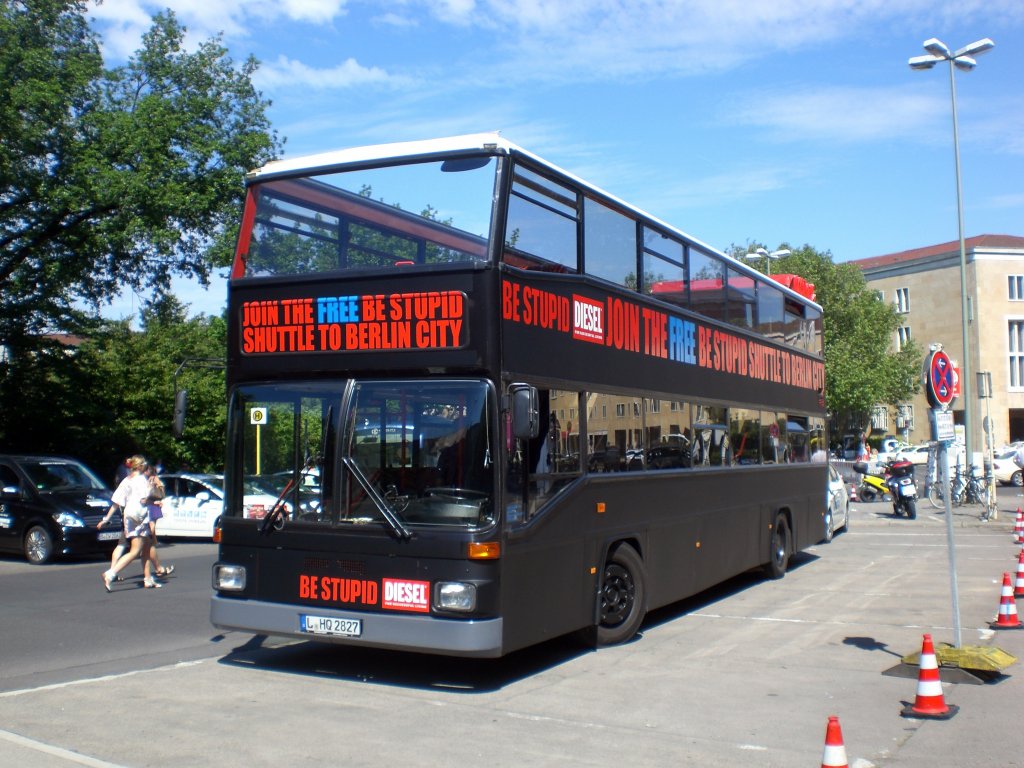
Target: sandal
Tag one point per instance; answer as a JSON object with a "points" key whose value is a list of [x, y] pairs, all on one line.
{"points": [[152, 584], [106, 581], [166, 571]]}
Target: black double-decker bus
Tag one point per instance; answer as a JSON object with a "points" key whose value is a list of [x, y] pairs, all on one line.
{"points": [[497, 405]]}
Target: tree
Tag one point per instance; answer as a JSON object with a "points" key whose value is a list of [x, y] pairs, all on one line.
{"points": [[861, 367], [114, 178], [112, 394]]}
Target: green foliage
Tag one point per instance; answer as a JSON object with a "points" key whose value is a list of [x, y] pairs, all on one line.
{"points": [[113, 395], [861, 367], [114, 178]]}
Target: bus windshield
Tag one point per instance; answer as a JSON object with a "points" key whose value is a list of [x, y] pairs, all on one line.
{"points": [[392, 216], [410, 453]]}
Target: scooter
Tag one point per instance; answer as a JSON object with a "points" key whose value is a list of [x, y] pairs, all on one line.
{"points": [[900, 480], [872, 487]]}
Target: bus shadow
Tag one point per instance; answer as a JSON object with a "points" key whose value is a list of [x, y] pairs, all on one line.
{"points": [[733, 586], [405, 669], [455, 674]]}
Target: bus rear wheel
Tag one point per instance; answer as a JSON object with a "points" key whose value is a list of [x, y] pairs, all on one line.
{"points": [[623, 597], [778, 556]]}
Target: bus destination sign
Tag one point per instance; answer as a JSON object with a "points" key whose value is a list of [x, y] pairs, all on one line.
{"points": [[395, 321]]}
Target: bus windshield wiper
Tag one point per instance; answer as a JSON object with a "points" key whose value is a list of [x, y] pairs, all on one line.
{"points": [[274, 518], [390, 516]]}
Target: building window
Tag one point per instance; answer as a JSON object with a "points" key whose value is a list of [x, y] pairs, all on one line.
{"points": [[1016, 283], [902, 337], [905, 417], [903, 300], [1015, 346], [620, 410], [880, 418]]}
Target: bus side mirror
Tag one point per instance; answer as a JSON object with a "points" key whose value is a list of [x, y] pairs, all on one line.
{"points": [[180, 406], [525, 416]]}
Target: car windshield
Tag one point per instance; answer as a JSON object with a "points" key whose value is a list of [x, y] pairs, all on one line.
{"points": [[54, 475], [420, 451], [406, 453]]}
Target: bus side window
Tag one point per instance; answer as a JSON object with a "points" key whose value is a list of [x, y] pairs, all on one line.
{"points": [[548, 461]]}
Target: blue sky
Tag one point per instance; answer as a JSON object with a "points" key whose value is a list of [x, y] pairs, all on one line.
{"points": [[776, 121]]}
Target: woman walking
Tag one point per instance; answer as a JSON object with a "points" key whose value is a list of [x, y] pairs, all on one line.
{"points": [[131, 497]]}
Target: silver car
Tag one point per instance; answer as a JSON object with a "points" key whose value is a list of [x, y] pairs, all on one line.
{"points": [[837, 501]]}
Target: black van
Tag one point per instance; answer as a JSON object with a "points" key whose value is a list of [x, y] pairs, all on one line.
{"points": [[50, 505]]}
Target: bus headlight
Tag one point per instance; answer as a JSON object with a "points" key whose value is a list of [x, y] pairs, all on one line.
{"points": [[455, 596], [229, 578]]}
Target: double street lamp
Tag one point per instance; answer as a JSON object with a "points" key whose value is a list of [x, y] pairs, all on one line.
{"points": [[763, 253], [962, 59]]}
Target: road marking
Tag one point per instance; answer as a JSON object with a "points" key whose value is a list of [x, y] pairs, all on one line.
{"points": [[777, 620], [49, 749], [102, 679]]}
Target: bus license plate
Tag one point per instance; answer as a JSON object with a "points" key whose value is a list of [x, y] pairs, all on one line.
{"points": [[328, 625]]}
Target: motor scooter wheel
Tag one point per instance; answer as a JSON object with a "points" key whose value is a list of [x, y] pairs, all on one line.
{"points": [[911, 505], [867, 493]]}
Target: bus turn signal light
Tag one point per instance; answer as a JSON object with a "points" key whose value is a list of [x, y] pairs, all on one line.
{"points": [[484, 550]]}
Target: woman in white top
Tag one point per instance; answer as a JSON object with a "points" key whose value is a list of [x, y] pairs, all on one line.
{"points": [[131, 496]]}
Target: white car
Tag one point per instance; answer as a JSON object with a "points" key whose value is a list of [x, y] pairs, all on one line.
{"points": [[837, 505], [915, 454], [1005, 470], [195, 501]]}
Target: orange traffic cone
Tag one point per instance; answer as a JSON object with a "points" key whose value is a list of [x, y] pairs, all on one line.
{"points": [[1018, 528], [1018, 586], [1007, 618], [834, 755], [929, 703]]}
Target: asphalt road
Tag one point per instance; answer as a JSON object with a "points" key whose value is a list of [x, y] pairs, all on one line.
{"points": [[746, 674]]}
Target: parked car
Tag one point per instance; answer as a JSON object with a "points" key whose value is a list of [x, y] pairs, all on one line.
{"points": [[837, 504], [915, 454], [1005, 470], [50, 505], [668, 457], [195, 501]]}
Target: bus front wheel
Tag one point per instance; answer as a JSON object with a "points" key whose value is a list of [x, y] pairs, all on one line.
{"points": [[778, 560], [623, 597]]}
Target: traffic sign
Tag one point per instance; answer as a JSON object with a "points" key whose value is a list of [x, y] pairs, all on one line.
{"points": [[940, 380]]}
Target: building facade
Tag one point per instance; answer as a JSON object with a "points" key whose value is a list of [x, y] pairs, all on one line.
{"points": [[924, 285]]}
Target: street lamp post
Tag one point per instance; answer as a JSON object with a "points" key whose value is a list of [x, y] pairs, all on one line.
{"points": [[762, 253], [963, 60]]}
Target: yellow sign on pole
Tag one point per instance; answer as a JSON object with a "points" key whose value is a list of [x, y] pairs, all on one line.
{"points": [[258, 417]]}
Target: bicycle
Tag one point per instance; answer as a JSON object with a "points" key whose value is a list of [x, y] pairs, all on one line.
{"points": [[962, 489], [975, 490]]}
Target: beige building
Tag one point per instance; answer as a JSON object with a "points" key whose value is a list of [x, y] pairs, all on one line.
{"points": [[924, 284]]}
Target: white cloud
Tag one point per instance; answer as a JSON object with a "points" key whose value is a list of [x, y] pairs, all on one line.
{"points": [[288, 73], [841, 114]]}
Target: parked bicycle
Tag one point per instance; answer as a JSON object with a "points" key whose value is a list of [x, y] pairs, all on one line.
{"points": [[963, 489]]}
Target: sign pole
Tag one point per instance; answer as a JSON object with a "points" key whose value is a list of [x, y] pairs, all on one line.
{"points": [[953, 584], [940, 385]]}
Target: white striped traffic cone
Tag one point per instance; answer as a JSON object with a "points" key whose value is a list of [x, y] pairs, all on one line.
{"points": [[834, 755], [1018, 528], [1018, 586], [1007, 618], [930, 702]]}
